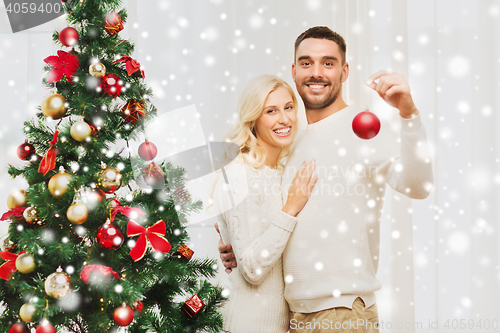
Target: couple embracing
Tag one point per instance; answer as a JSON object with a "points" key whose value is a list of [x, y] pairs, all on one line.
{"points": [[300, 227]]}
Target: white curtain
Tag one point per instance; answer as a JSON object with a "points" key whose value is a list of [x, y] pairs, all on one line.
{"points": [[439, 256]]}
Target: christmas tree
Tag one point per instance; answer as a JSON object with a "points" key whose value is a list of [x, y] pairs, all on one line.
{"points": [[92, 247]]}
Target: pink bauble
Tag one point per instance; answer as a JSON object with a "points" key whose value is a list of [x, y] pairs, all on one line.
{"points": [[147, 151]]}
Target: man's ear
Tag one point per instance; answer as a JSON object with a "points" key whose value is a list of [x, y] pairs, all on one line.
{"points": [[345, 71], [293, 72]]}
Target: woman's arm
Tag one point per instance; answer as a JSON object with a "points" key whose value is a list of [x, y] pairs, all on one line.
{"points": [[255, 254]]}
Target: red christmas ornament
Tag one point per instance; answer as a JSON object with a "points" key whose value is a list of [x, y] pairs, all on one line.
{"points": [[109, 237], [193, 306], [147, 151], [131, 65], [97, 272], [123, 315], [68, 36], [49, 160], [366, 125], [45, 327], [138, 306], [113, 23], [93, 130], [19, 328], [133, 111], [183, 253], [26, 151], [153, 175], [63, 63], [110, 84]]}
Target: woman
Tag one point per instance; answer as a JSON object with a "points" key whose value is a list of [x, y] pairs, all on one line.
{"points": [[254, 220]]}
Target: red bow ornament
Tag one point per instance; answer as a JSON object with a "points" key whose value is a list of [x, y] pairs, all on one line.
{"points": [[153, 235], [9, 266], [131, 65], [49, 160]]}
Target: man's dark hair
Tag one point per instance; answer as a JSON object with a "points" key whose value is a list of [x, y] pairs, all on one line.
{"points": [[322, 33]]}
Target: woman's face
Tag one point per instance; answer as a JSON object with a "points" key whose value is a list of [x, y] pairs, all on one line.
{"points": [[274, 128]]}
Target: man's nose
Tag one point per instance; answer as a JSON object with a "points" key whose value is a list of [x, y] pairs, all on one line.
{"points": [[317, 70]]}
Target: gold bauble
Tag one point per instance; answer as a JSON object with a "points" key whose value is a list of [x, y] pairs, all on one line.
{"points": [[54, 106], [26, 312], [5, 243], [25, 263], [97, 69], [17, 199], [58, 284], [29, 215], [80, 131], [58, 184], [109, 179], [77, 213]]}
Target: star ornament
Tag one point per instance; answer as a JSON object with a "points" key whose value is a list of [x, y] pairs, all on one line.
{"points": [[63, 64], [131, 65]]}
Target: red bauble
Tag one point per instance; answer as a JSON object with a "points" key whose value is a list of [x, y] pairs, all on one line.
{"points": [[19, 328], [147, 151], [110, 84], [45, 327], [366, 125], [123, 315], [68, 36], [26, 151], [133, 111], [109, 237]]}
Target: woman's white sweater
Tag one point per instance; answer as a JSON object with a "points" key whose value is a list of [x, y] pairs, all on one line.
{"points": [[253, 223]]}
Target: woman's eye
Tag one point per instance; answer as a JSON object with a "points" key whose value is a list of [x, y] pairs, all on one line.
{"points": [[271, 111], [289, 107]]}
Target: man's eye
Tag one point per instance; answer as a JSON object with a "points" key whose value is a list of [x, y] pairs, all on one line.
{"points": [[306, 64], [328, 64]]}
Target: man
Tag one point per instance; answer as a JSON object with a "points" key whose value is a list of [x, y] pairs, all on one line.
{"points": [[331, 258]]}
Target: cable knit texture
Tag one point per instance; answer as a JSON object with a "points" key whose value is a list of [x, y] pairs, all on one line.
{"points": [[333, 253], [253, 223]]}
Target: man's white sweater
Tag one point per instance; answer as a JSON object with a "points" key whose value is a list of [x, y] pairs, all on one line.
{"points": [[332, 256]]}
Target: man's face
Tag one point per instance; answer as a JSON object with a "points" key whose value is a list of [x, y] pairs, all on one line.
{"points": [[318, 72]]}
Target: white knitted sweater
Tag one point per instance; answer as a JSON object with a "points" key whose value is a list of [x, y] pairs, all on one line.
{"points": [[332, 256], [253, 223]]}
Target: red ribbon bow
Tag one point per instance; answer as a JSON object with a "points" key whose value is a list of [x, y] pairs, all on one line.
{"points": [[9, 267], [14, 212], [154, 234], [131, 65], [49, 161]]}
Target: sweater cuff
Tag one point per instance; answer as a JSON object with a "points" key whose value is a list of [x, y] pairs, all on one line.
{"points": [[285, 221], [411, 125]]}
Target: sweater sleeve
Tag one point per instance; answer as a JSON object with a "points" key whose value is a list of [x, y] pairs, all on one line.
{"points": [[256, 252], [410, 171]]}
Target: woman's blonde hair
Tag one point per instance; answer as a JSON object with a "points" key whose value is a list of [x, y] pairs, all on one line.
{"points": [[250, 107]]}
